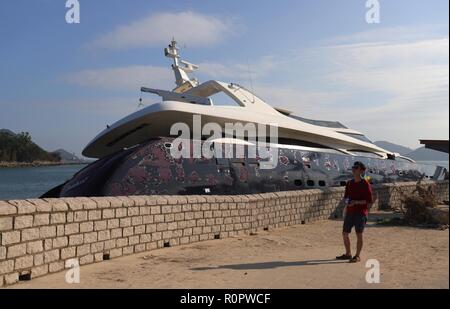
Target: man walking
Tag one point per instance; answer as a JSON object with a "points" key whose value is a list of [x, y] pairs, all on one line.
{"points": [[358, 195]]}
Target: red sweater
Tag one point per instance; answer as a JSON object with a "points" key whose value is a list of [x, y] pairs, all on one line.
{"points": [[359, 191]]}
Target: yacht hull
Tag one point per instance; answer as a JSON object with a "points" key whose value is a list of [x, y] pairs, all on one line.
{"points": [[150, 169]]}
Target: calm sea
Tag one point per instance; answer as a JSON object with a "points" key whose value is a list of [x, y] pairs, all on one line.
{"points": [[31, 182], [22, 183]]}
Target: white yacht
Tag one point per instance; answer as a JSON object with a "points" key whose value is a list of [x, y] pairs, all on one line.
{"points": [[190, 98], [135, 154]]}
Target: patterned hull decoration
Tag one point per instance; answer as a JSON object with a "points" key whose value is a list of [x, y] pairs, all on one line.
{"points": [[149, 169]]}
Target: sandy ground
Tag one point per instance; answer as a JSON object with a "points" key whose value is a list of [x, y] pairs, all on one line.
{"points": [[294, 257]]}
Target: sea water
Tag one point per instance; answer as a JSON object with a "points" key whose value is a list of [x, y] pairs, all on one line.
{"points": [[31, 182]]}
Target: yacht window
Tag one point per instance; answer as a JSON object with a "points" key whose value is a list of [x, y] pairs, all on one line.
{"points": [[320, 123], [222, 99], [297, 142]]}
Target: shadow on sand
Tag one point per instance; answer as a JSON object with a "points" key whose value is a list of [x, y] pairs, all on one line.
{"points": [[269, 265]]}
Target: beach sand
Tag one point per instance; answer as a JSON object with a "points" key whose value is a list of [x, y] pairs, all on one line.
{"points": [[293, 257]]}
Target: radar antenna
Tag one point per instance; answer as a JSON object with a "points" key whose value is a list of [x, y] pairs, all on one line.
{"points": [[181, 69]]}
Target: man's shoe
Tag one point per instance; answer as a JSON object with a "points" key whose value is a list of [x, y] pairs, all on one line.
{"points": [[344, 257], [355, 259]]}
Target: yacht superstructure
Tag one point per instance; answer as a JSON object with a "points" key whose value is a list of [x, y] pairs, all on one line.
{"points": [[191, 98]]}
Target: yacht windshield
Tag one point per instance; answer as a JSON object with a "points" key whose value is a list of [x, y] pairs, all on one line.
{"points": [[222, 99], [358, 136], [320, 123]]}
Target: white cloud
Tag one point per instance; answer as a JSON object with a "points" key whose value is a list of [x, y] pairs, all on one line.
{"points": [[397, 90], [124, 78], [391, 34], [135, 76], [408, 74], [192, 28], [375, 54], [239, 71]]}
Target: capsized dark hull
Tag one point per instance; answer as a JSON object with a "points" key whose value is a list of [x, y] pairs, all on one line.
{"points": [[149, 169]]}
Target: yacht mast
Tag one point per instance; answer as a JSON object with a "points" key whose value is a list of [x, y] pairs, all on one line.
{"points": [[181, 69]]}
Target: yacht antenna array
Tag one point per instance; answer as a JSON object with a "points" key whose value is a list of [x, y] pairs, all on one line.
{"points": [[181, 68]]}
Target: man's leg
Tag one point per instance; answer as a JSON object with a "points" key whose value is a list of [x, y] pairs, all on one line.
{"points": [[348, 250], [359, 243], [346, 229], [360, 222]]}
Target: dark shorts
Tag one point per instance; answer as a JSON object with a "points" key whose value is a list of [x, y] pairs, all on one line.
{"points": [[356, 220]]}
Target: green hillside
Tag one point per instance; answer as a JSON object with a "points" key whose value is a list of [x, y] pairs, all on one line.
{"points": [[20, 148]]}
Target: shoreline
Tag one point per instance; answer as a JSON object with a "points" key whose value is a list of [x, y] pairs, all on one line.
{"points": [[36, 164]]}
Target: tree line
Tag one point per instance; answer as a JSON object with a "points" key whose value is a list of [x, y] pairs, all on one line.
{"points": [[20, 148]]}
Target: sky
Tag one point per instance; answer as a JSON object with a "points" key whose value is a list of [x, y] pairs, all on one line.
{"points": [[64, 83]]}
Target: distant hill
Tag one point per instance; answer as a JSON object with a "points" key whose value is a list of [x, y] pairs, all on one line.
{"points": [[423, 154], [67, 157], [6, 131], [394, 147], [20, 148], [420, 154]]}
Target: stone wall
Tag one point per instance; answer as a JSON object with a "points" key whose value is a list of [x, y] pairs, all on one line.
{"points": [[37, 236]]}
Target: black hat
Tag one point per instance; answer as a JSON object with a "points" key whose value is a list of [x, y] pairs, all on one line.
{"points": [[360, 165]]}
